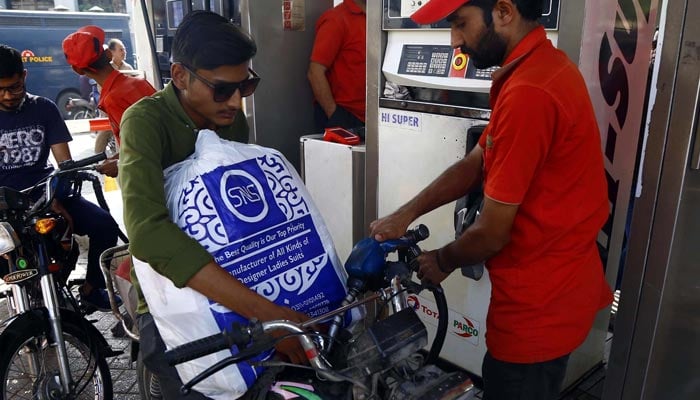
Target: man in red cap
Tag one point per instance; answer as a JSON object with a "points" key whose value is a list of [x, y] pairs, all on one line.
{"points": [[545, 198], [86, 53]]}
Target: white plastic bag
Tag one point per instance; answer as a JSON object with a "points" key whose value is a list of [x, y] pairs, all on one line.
{"points": [[249, 208]]}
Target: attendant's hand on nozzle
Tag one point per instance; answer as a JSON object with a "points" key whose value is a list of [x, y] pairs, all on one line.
{"points": [[429, 268], [393, 226]]}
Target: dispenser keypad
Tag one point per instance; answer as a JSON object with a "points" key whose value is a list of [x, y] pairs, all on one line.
{"points": [[440, 61], [425, 60]]}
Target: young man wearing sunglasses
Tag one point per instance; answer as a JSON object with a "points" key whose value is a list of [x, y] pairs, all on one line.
{"points": [[206, 91]]}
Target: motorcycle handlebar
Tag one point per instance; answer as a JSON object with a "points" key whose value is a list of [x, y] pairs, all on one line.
{"points": [[74, 164], [254, 333], [238, 335], [247, 335]]}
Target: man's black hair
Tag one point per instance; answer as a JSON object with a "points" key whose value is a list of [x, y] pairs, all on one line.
{"points": [[10, 62], [530, 9], [206, 40], [101, 63]]}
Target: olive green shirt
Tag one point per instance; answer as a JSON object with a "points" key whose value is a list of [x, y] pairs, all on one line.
{"points": [[155, 134]]}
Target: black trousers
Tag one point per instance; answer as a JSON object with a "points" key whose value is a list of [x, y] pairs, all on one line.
{"points": [[341, 117], [91, 220], [511, 381], [152, 352]]}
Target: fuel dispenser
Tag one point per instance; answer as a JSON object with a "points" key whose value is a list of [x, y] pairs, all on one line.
{"points": [[439, 112]]}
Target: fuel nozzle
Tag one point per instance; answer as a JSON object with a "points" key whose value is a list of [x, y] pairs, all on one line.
{"points": [[365, 268], [365, 265]]}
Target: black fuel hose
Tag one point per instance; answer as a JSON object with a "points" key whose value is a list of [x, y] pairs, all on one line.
{"points": [[443, 317]]}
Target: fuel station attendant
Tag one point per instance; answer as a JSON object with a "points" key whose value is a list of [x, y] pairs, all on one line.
{"points": [[85, 52], [337, 72], [541, 166]]}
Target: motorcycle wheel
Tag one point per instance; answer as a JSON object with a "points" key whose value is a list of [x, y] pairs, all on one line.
{"points": [[82, 114], [149, 388], [89, 368]]}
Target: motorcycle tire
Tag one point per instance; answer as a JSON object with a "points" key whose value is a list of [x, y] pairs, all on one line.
{"points": [[89, 368], [149, 388], [84, 114]]}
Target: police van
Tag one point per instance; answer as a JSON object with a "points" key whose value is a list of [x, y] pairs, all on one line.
{"points": [[38, 35]]}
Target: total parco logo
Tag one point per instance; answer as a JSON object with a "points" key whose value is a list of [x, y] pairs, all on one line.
{"points": [[413, 302], [465, 329]]}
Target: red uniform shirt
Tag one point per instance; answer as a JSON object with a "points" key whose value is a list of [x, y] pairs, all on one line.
{"points": [[542, 151], [118, 93], [340, 46]]}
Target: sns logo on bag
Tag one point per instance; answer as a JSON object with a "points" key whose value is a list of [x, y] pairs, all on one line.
{"points": [[242, 198], [243, 195], [255, 218]]}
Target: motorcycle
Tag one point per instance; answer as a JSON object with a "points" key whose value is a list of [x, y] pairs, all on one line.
{"points": [[80, 108], [383, 360], [48, 349]]}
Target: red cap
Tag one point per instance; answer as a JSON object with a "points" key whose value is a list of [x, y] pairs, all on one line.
{"points": [[435, 10], [84, 47]]}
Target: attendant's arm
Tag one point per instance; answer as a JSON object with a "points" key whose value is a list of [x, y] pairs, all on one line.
{"points": [[321, 88], [455, 182], [481, 241], [484, 238]]}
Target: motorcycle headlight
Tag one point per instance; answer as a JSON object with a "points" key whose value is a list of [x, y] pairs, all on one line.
{"points": [[8, 238]]}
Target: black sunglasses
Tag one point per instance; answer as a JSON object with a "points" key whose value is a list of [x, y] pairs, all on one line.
{"points": [[13, 90], [224, 91]]}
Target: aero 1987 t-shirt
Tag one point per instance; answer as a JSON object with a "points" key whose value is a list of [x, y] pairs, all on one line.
{"points": [[26, 137]]}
